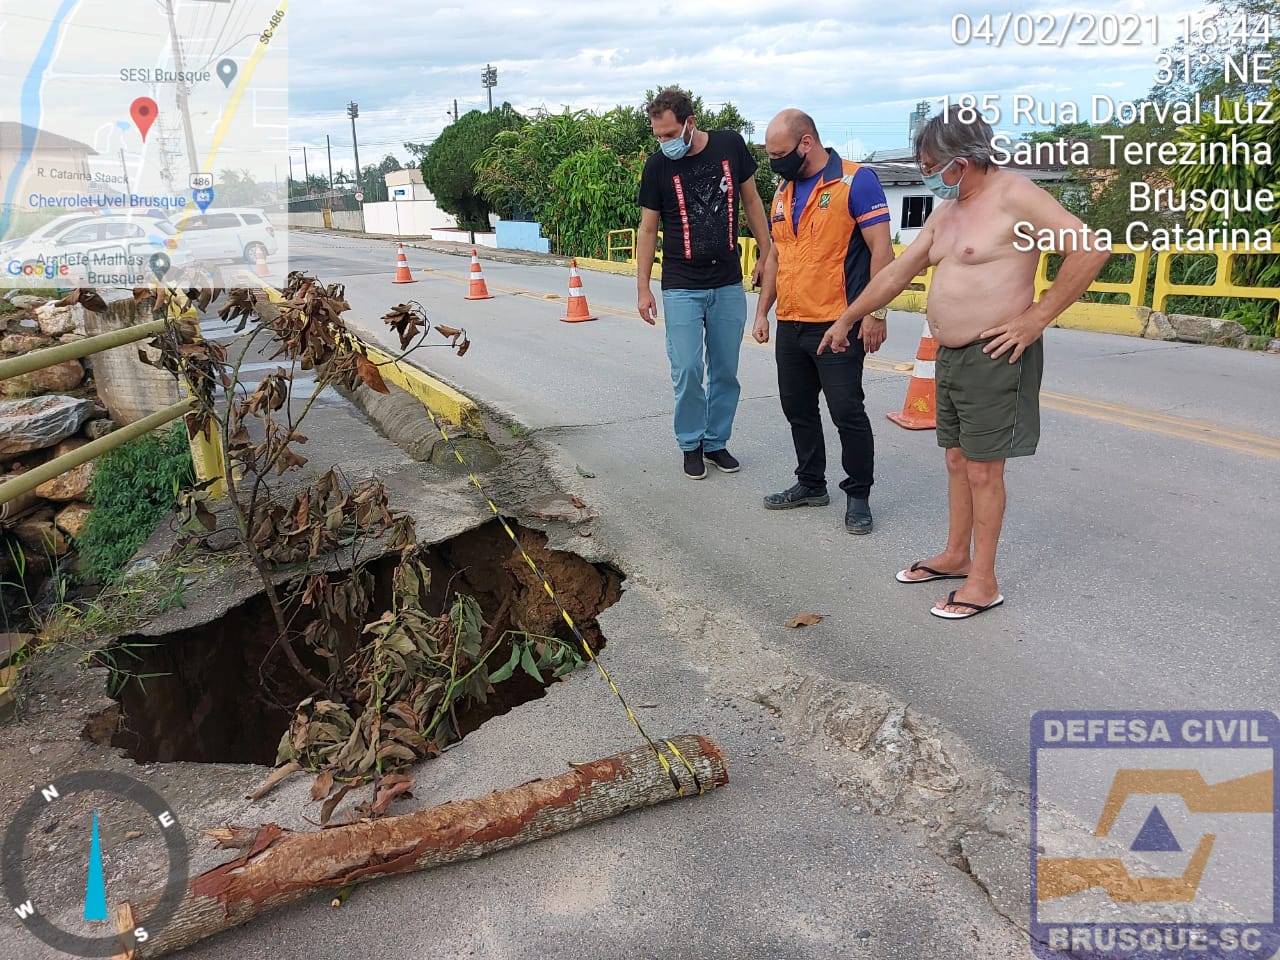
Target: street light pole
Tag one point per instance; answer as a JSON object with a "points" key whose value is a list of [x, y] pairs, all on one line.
{"points": [[329, 149], [489, 78], [183, 105], [353, 111]]}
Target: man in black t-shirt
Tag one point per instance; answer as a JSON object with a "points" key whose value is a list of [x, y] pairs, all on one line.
{"points": [[696, 184]]}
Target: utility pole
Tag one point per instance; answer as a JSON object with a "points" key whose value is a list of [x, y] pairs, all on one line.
{"points": [[454, 115], [290, 190], [489, 78], [329, 150], [183, 106], [125, 168], [306, 173], [353, 111]]}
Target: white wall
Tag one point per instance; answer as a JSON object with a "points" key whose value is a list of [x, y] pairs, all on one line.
{"points": [[414, 218], [894, 193], [342, 220]]}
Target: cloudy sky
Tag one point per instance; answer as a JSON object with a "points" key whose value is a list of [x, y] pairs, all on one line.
{"points": [[859, 67]]}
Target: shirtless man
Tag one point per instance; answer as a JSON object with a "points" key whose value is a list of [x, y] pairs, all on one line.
{"points": [[988, 326]]}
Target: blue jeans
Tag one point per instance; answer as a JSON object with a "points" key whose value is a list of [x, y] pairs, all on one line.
{"points": [[717, 319]]}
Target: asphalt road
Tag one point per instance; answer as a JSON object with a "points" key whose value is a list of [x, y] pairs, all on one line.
{"points": [[1138, 569], [1137, 556]]}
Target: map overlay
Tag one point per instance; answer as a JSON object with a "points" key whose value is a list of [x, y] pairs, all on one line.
{"points": [[147, 142]]}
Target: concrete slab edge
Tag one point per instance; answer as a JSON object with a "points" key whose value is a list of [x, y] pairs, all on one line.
{"points": [[436, 395]]}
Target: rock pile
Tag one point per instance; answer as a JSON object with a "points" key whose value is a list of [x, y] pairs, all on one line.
{"points": [[45, 414]]}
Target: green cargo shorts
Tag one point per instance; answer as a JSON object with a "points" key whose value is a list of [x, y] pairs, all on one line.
{"points": [[988, 408]]}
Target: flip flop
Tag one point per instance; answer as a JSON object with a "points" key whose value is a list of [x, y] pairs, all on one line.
{"points": [[933, 574], [975, 607]]}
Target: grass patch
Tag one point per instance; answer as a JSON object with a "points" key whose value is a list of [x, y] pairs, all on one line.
{"points": [[133, 487]]}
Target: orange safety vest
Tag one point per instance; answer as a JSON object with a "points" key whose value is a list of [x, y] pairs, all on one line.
{"points": [[816, 275]]}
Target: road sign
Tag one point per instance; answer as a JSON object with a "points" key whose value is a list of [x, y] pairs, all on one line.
{"points": [[359, 198], [201, 181]]}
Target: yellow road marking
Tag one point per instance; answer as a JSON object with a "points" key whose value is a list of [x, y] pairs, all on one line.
{"points": [[1148, 421]]}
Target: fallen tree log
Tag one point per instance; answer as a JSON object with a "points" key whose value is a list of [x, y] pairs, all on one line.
{"points": [[280, 866]]}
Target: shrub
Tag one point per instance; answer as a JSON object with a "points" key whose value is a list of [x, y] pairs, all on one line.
{"points": [[133, 487]]}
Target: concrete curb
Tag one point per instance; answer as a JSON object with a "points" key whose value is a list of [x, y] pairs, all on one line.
{"points": [[398, 416], [436, 395]]}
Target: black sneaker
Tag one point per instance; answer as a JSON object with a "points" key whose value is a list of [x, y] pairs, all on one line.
{"points": [[722, 460], [694, 468], [857, 516], [797, 496]]}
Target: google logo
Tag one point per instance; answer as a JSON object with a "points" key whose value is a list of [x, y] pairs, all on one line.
{"points": [[18, 268]]}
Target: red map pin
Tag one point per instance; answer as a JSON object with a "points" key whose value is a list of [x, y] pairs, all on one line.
{"points": [[143, 110]]}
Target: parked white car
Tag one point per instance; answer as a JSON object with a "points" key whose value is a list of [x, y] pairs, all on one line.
{"points": [[227, 233], [94, 249]]}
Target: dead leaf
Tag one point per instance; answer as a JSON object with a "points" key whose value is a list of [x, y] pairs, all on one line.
{"points": [[323, 785], [369, 374], [804, 620], [577, 502], [452, 332], [330, 805], [391, 787]]}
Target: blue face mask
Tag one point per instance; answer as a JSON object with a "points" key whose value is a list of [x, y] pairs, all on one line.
{"points": [[677, 148], [943, 191]]}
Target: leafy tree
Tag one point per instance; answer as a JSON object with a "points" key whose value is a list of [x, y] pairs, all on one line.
{"points": [[448, 169], [314, 185], [237, 188], [1081, 130], [373, 180], [592, 191], [513, 172], [1207, 77]]}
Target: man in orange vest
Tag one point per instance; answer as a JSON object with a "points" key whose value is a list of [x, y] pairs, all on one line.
{"points": [[830, 224]]}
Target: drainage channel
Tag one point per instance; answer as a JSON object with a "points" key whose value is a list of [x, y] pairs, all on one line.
{"points": [[222, 693]]}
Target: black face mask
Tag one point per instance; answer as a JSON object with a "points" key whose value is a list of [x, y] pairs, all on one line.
{"points": [[788, 167]]}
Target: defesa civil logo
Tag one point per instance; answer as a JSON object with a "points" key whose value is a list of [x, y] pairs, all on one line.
{"points": [[1178, 853]]}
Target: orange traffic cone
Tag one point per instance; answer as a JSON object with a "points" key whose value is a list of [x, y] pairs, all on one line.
{"points": [[260, 266], [577, 309], [919, 410], [477, 290], [402, 267]]}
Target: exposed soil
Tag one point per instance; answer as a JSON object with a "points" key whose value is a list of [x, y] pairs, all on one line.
{"points": [[223, 692]]}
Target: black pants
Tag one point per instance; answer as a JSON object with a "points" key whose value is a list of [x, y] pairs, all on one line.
{"points": [[802, 374]]}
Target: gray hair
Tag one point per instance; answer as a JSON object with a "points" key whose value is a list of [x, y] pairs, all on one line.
{"points": [[946, 137]]}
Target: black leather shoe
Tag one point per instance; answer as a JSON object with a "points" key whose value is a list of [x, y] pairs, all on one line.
{"points": [[797, 496], [857, 516]]}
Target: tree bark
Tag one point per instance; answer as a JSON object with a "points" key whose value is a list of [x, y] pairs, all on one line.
{"points": [[280, 866]]}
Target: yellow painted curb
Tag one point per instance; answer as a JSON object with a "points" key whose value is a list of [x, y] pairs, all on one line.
{"points": [[621, 268], [434, 394], [1102, 318]]}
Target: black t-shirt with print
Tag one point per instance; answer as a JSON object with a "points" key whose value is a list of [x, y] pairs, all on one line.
{"points": [[699, 198]]}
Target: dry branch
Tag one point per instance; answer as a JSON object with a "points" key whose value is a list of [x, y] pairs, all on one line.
{"points": [[279, 866]]}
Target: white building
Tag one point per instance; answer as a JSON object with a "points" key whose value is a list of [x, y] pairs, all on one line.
{"points": [[910, 202]]}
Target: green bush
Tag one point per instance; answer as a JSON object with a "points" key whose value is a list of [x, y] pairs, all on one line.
{"points": [[133, 487]]}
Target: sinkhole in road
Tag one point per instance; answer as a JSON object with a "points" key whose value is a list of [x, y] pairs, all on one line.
{"points": [[224, 693]]}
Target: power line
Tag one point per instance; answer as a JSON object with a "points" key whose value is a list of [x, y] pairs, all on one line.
{"points": [[84, 26]]}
